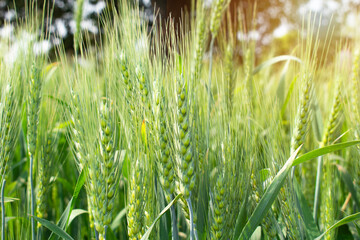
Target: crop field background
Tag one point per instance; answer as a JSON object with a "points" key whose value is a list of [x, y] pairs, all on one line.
{"points": [[182, 127]]}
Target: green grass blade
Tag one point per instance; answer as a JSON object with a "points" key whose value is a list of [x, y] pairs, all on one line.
{"points": [[148, 232], [305, 212], [322, 151], [79, 184], [275, 60], [75, 213], [242, 217], [10, 199], [203, 205], [116, 223], [53, 228], [268, 198], [64, 219], [341, 222]]}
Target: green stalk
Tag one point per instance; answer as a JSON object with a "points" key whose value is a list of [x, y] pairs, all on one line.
{"points": [[96, 234], [175, 233], [105, 231], [317, 188], [3, 211], [209, 93], [32, 198], [39, 233], [192, 228]]}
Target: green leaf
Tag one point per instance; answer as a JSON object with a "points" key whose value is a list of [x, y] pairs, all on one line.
{"points": [[65, 216], [275, 60], [324, 150], [257, 234], [345, 175], [79, 184], [116, 223], [9, 199], [148, 232], [305, 212], [341, 222], [268, 198], [53, 228], [203, 204], [75, 213]]}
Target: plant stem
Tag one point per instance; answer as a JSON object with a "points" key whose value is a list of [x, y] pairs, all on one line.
{"points": [[317, 188], [96, 234], [39, 233], [209, 93], [32, 198], [3, 211], [175, 234], [192, 228], [105, 232]]}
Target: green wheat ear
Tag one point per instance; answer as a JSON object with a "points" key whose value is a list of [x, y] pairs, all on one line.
{"points": [[46, 159], [187, 164], [136, 212], [9, 120], [33, 108], [217, 10], [219, 198], [167, 169], [108, 145], [78, 18], [229, 78], [199, 47], [303, 114]]}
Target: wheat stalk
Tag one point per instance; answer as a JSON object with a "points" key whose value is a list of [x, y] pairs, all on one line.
{"points": [[33, 108]]}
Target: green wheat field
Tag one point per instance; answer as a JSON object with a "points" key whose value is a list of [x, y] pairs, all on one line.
{"points": [[166, 132]]}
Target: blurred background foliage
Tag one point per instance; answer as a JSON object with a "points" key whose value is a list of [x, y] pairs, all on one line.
{"points": [[277, 21]]}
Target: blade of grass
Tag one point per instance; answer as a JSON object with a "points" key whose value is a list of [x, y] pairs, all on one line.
{"points": [[272, 191], [275, 60], [9, 199], [64, 219], [305, 212], [116, 223], [341, 222], [148, 232], [268, 198], [75, 213], [322, 151], [53, 228]]}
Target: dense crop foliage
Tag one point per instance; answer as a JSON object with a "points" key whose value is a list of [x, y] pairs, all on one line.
{"points": [[148, 138]]}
